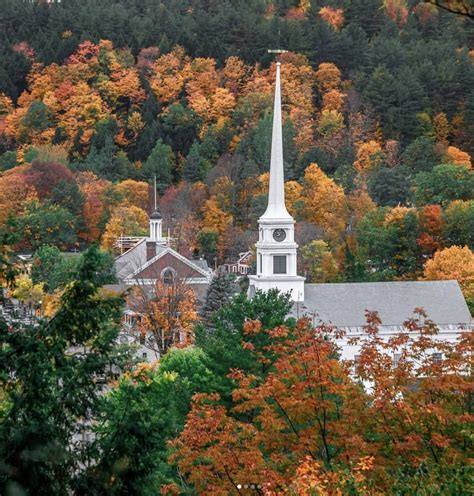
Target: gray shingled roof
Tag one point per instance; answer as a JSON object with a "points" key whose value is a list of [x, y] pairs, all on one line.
{"points": [[344, 304]]}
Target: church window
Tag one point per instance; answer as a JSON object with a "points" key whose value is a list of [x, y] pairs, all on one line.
{"points": [[168, 276], [279, 264], [259, 268]]}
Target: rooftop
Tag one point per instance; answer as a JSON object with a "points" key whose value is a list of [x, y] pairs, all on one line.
{"points": [[345, 304]]}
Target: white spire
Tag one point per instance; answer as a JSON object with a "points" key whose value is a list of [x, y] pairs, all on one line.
{"points": [[276, 208]]}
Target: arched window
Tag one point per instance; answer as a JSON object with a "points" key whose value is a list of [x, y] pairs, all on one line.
{"points": [[168, 275]]}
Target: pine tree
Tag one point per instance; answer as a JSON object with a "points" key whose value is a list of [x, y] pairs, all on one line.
{"points": [[49, 385], [220, 291]]}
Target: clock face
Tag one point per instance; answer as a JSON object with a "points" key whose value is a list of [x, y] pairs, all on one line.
{"points": [[279, 234]]}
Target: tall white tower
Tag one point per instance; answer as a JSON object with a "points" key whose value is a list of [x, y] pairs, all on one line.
{"points": [[276, 247]]}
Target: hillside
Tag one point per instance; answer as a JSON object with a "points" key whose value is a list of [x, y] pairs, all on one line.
{"points": [[378, 101]]}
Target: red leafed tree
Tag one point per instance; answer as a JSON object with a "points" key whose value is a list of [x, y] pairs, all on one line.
{"points": [[431, 223], [44, 176]]}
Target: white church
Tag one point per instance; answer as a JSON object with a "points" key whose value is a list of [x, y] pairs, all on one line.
{"points": [[344, 304]]}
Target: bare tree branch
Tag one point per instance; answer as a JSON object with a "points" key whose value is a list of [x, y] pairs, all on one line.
{"points": [[461, 8]]}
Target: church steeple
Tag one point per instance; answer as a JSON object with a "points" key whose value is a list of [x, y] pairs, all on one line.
{"points": [[156, 220], [276, 247], [276, 208]]}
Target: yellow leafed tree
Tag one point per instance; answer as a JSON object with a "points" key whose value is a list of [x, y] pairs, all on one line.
{"points": [[454, 262], [134, 193], [125, 221], [169, 75], [324, 202], [369, 156]]}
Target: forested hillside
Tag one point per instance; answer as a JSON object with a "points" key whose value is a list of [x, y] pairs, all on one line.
{"points": [[378, 98]]}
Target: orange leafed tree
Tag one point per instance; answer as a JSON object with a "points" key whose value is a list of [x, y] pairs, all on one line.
{"points": [[334, 17], [397, 10], [168, 316], [458, 157], [93, 189], [333, 100], [328, 77], [294, 431], [297, 80], [14, 190], [431, 222]]}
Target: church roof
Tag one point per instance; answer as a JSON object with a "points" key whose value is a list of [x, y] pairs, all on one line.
{"points": [[133, 261], [345, 304], [155, 215]]}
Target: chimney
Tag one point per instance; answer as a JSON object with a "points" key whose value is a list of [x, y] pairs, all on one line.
{"points": [[150, 250]]}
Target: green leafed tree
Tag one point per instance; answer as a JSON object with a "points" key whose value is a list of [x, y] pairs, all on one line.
{"points": [[46, 224], [222, 340], [147, 409], [445, 183], [207, 240], [49, 381], [196, 165], [51, 268]]}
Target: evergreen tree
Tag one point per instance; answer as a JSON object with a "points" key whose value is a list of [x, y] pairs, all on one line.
{"points": [[419, 155], [160, 164], [222, 343], [390, 186], [196, 166], [222, 288], [49, 386], [147, 409]]}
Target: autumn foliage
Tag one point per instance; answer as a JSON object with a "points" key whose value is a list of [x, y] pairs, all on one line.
{"points": [[294, 430]]}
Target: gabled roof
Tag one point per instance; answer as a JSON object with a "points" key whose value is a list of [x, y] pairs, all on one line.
{"points": [[162, 251], [345, 304], [129, 261]]}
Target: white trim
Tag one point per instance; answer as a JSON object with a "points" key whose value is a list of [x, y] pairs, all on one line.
{"points": [[169, 250], [166, 269], [152, 282]]}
